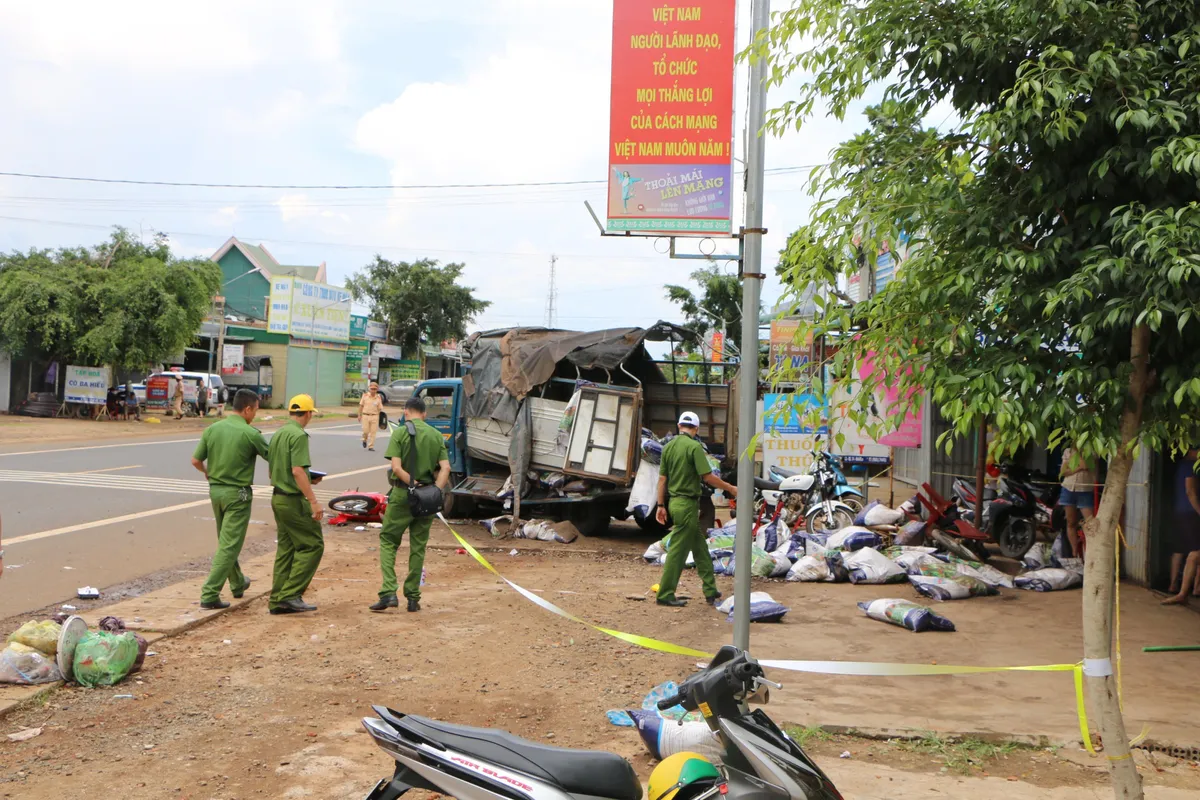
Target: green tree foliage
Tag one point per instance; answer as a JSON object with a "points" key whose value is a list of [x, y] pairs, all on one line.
{"points": [[122, 303], [421, 300], [717, 302], [1053, 283]]}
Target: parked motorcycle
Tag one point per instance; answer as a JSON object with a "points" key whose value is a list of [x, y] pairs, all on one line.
{"points": [[759, 761], [842, 490], [807, 494], [1021, 505]]}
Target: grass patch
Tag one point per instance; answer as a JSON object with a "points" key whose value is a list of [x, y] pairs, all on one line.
{"points": [[959, 755], [805, 736]]}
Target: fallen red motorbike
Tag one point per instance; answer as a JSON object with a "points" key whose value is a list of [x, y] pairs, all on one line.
{"points": [[358, 507]]}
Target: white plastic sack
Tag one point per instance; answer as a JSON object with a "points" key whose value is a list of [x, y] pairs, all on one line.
{"points": [[852, 537], [666, 737], [783, 565], [809, 569], [645, 487], [986, 573], [952, 587], [905, 556], [655, 552], [906, 614], [726, 605], [1053, 579], [882, 515], [872, 567], [1040, 556], [26, 665]]}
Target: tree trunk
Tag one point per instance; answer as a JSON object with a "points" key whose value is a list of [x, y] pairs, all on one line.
{"points": [[1099, 582]]}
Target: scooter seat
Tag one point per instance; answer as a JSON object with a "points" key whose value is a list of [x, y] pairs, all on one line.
{"points": [[784, 473], [764, 485], [582, 772]]}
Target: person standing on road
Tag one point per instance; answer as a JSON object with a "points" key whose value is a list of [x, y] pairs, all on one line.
{"points": [[201, 398], [683, 469], [423, 455], [370, 405], [226, 455], [177, 398], [297, 512]]}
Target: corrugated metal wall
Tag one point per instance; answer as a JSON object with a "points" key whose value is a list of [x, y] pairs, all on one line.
{"points": [[1135, 558]]}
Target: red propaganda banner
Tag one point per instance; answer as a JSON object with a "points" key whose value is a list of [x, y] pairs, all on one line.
{"points": [[718, 346], [670, 154]]}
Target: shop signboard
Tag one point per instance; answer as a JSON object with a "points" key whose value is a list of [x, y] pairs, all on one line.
{"points": [[87, 385], [363, 328], [233, 359], [886, 401], [391, 352], [789, 354], [670, 156], [356, 358], [309, 310]]}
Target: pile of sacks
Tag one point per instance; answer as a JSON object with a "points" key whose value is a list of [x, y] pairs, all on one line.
{"points": [[64, 649]]}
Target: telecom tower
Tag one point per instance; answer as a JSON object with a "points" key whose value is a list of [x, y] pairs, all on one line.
{"points": [[552, 295]]}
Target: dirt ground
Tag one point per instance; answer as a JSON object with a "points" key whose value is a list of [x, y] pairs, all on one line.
{"points": [[252, 705]]}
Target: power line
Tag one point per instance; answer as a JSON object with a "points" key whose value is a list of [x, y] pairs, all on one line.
{"points": [[338, 187]]}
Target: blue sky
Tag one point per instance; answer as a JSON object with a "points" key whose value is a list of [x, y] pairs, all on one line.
{"points": [[475, 91]]}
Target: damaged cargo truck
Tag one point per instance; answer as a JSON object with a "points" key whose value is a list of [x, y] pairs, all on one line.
{"points": [[550, 423]]}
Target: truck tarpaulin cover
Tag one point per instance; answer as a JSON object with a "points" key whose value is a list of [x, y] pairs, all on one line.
{"points": [[506, 366]]}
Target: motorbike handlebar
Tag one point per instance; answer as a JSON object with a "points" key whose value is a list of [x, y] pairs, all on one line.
{"points": [[670, 702]]}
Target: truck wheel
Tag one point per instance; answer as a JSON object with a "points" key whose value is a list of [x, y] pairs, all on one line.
{"points": [[590, 519], [454, 507]]}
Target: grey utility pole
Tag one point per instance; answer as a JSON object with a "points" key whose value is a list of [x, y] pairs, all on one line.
{"points": [[760, 14]]}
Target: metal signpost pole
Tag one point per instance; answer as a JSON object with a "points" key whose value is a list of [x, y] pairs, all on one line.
{"points": [[751, 288]]}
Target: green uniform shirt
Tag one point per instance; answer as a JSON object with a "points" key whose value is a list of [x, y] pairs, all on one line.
{"points": [[684, 464], [431, 450], [229, 448], [289, 448]]}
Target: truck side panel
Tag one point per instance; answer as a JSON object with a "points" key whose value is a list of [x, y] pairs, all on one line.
{"points": [[489, 440]]}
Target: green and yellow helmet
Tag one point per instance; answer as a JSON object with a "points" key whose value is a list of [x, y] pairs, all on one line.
{"points": [[682, 776]]}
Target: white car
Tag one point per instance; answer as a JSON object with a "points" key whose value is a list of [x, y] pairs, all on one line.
{"points": [[398, 391]]}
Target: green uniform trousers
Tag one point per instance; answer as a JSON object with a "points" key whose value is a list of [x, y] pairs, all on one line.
{"points": [[686, 537], [396, 521], [298, 553], [231, 507]]}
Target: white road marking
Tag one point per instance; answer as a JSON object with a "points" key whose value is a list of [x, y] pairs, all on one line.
{"points": [[139, 444], [29, 537], [106, 469]]}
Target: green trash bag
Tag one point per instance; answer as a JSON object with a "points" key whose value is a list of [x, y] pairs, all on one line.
{"points": [[103, 659]]}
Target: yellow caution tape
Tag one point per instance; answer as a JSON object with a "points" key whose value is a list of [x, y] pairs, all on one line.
{"points": [[862, 668]]}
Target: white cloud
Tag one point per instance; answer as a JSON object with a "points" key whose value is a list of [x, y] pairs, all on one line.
{"points": [[216, 36], [300, 208]]}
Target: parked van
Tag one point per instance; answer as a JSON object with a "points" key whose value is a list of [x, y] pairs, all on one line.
{"points": [[160, 389]]}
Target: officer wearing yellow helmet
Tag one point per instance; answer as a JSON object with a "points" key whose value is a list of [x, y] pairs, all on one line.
{"points": [[683, 776], [297, 511]]}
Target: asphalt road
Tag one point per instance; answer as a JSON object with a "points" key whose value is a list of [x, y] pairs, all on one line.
{"points": [[100, 514]]}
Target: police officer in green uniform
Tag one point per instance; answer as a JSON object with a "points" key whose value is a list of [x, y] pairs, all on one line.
{"points": [[683, 469], [430, 459], [226, 455], [297, 512]]}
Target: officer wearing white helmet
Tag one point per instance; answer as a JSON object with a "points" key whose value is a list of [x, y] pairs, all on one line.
{"points": [[683, 469]]}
